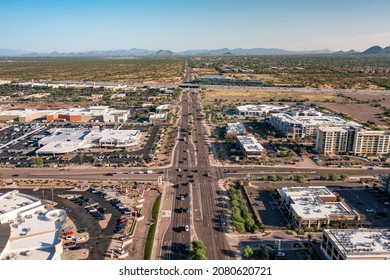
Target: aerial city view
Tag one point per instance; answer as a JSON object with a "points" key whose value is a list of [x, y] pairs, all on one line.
{"points": [[169, 131]]}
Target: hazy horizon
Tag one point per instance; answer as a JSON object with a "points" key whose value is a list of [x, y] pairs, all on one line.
{"points": [[71, 26]]}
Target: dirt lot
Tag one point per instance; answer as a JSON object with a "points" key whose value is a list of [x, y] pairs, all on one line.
{"points": [[255, 95], [362, 112]]}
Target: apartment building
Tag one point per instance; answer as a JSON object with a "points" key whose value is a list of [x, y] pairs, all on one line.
{"points": [[352, 140]]}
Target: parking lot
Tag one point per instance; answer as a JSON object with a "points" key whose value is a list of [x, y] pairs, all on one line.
{"points": [[266, 207], [19, 143], [367, 202], [99, 238]]}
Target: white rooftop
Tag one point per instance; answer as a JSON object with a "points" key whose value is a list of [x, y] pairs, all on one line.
{"points": [[33, 230], [260, 108], [314, 120], [158, 116], [235, 128], [307, 202], [165, 107], [250, 144], [23, 113], [114, 135], [69, 140], [361, 241]]}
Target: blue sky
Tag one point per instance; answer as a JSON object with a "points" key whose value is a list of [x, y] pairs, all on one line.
{"points": [[197, 24]]}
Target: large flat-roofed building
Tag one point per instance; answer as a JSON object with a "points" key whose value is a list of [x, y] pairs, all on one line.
{"points": [[233, 129], [116, 116], [22, 116], [352, 140], [163, 108], [316, 206], [305, 126], [250, 147], [28, 229], [98, 113], [158, 117], [356, 244], [114, 138], [64, 141], [257, 110]]}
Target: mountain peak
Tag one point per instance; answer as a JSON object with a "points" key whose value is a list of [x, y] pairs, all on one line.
{"points": [[164, 53]]}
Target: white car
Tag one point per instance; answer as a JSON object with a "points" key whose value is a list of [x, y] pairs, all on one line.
{"points": [[186, 228], [370, 210], [387, 203], [120, 250], [79, 239], [71, 237]]}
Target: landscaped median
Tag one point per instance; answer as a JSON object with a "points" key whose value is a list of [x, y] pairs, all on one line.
{"points": [[152, 230]]}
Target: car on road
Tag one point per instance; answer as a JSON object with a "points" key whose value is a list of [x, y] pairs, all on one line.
{"points": [[186, 210], [387, 203], [370, 210], [186, 228], [69, 237], [122, 220], [77, 247], [187, 247], [124, 238], [82, 230], [80, 239], [70, 243], [68, 233]]}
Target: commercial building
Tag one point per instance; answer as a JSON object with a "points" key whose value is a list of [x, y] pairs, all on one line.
{"points": [[113, 138], [64, 141], [116, 116], [233, 129], [316, 206], [158, 117], [22, 116], [257, 110], [163, 108], [356, 244], [250, 147], [98, 113], [352, 140], [28, 229]]}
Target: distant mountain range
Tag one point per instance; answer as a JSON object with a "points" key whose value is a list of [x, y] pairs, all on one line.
{"points": [[375, 50]]}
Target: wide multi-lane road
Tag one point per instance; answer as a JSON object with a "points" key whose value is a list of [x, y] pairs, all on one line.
{"points": [[194, 188]]}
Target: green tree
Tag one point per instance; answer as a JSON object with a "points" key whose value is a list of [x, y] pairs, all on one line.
{"points": [[333, 177], [247, 252], [198, 251], [37, 161]]}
